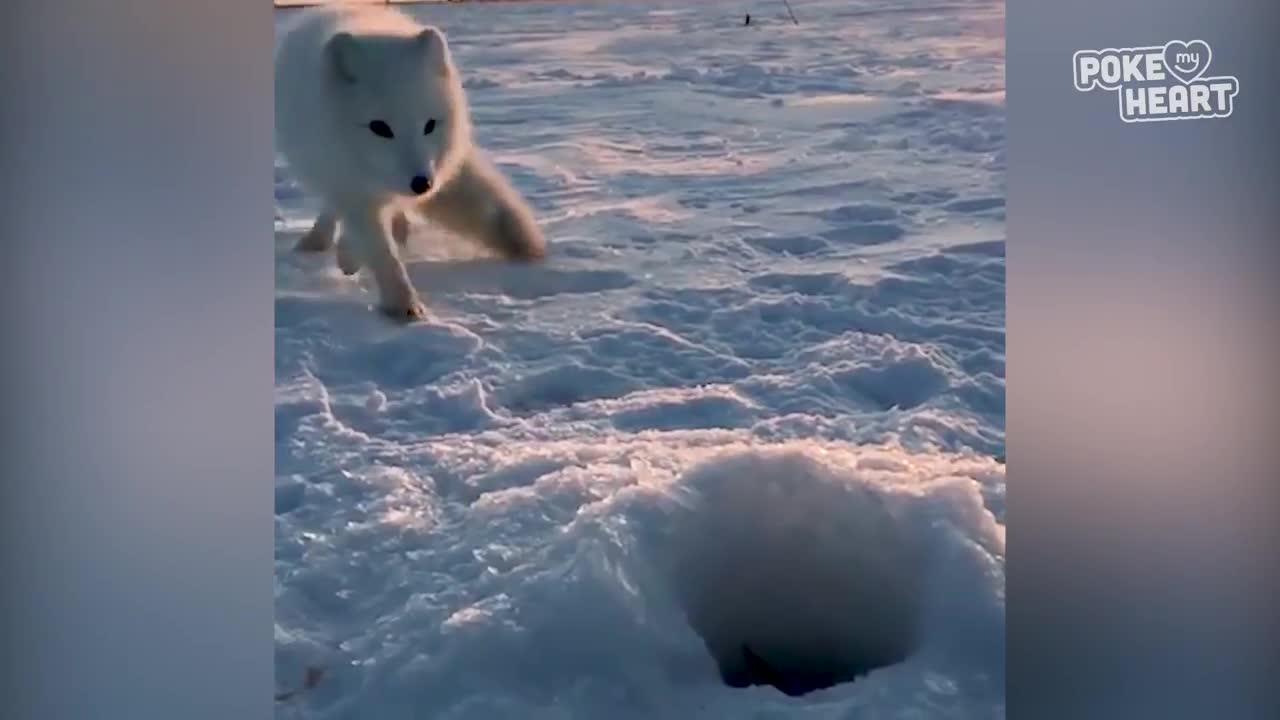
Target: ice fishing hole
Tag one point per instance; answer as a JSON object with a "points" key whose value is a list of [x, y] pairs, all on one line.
{"points": [[795, 574]]}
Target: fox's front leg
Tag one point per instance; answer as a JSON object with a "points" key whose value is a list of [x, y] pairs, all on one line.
{"points": [[320, 237], [400, 228], [349, 259], [367, 238], [348, 256]]}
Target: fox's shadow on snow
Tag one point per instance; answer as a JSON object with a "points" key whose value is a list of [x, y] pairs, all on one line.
{"points": [[439, 279], [521, 281]]}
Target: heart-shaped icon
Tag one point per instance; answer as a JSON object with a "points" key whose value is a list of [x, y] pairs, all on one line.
{"points": [[1187, 61]]}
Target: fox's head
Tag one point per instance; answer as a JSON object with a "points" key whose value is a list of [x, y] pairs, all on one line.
{"points": [[400, 108]]}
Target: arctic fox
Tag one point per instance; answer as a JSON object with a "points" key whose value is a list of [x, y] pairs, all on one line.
{"points": [[372, 118]]}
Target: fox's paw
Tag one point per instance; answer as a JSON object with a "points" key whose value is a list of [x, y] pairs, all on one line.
{"points": [[409, 312], [319, 237], [348, 262], [516, 236]]}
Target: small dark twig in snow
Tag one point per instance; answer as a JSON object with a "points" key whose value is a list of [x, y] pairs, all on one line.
{"points": [[790, 12]]}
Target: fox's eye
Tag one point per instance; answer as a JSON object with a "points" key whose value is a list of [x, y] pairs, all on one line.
{"points": [[431, 125], [381, 129]]}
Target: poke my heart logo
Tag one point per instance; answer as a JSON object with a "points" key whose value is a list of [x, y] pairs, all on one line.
{"points": [[1158, 83]]}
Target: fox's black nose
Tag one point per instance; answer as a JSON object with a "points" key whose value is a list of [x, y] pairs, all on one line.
{"points": [[419, 184]]}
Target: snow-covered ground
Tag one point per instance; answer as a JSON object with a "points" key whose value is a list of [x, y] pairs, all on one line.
{"points": [[754, 398]]}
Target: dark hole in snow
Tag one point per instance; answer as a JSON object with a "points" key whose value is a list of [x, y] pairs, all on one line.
{"points": [[795, 575]]}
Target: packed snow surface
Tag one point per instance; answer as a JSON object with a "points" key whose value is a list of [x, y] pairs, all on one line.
{"points": [[747, 421]]}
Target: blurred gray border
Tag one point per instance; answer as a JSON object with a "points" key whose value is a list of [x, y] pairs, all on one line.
{"points": [[137, 461], [1143, 490]]}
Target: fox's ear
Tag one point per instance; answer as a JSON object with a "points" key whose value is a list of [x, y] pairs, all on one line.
{"points": [[342, 54], [436, 50]]}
